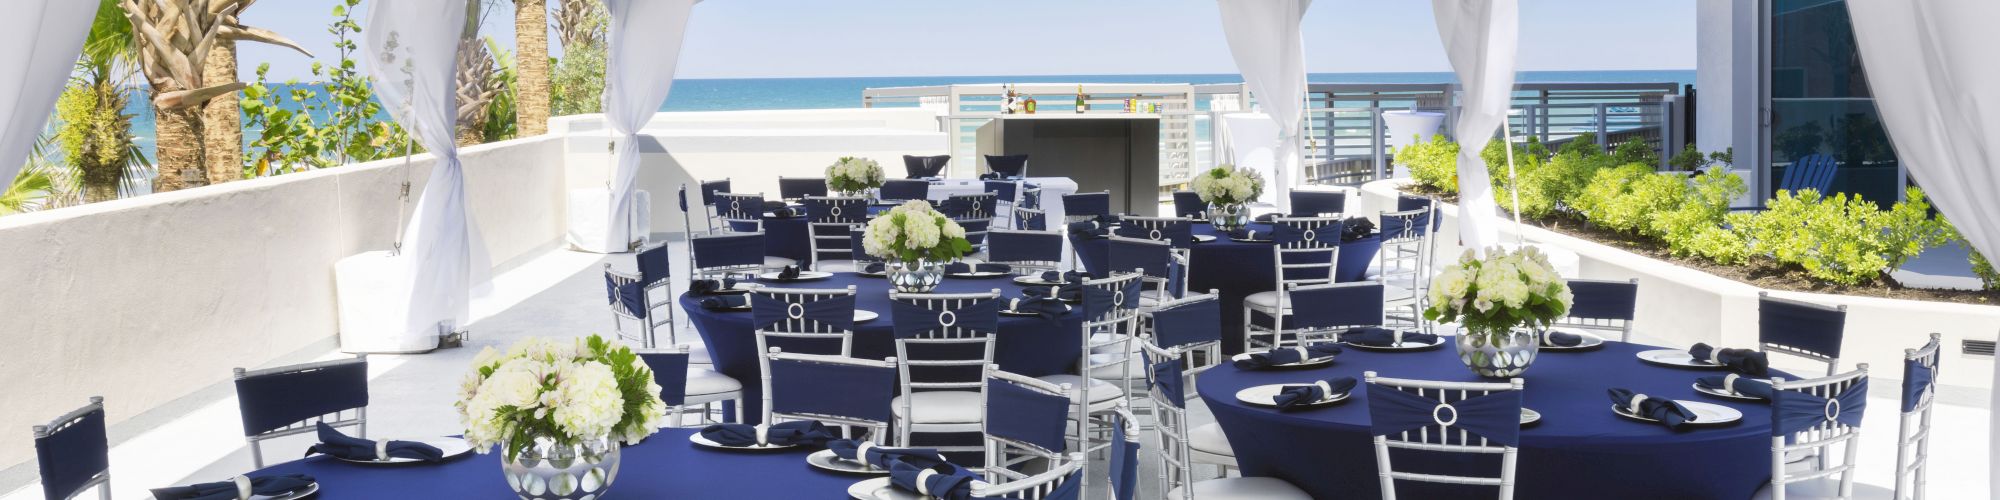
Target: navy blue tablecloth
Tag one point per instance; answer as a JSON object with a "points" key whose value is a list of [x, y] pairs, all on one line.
{"points": [[1238, 269], [1579, 449], [1029, 345], [663, 466]]}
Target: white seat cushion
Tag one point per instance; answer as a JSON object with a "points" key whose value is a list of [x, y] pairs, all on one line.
{"points": [[1113, 367], [1246, 488], [698, 355], [941, 407], [1266, 300], [835, 266], [1100, 391], [706, 381], [778, 262], [1121, 347], [1826, 488], [1208, 438]]}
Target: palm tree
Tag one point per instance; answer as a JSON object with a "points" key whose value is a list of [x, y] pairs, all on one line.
{"points": [[41, 184], [531, 67], [478, 81], [175, 39], [96, 134], [576, 85]]}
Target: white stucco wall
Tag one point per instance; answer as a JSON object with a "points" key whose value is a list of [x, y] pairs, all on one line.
{"points": [[148, 299]]}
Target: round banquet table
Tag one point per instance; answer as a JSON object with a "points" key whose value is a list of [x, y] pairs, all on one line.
{"points": [[663, 466], [1237, 269], [1027, 345], [1578, 450]]}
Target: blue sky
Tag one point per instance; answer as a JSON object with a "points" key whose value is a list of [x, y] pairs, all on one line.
{"points": [[811, 38]]}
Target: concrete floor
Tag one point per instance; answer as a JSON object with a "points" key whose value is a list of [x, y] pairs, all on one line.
{"points": [[561, 294]]}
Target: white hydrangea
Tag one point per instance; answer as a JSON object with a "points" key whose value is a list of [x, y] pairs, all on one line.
{"points": [[854, 174], [1495, 286], [588, 401], [560, 384], [913, 226], [1227, 185]]}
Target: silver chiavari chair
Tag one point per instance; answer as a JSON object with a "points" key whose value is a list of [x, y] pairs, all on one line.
{"points": [[1030, 219], [644, 298], [1160, 265], [1815, 414], [1403, 265], [73, 455], [740, 212], [1305, 252], [1602, 306], [1110, 322], [1006, 195], [1059, 482], [708, 191], [685, 384], [717, 256], [1475, 418], [926, 325], [830, 225], [808, 321], [1027, 252], [292, 400], [1801, 329], [836, 390], [1178, 450], [1025, 420], [1913, 434]]}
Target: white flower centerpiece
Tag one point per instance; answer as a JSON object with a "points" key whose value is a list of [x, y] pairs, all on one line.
{"points": [[1502, 302], [916, 239], [1227, 189], [851, 176], [558, 410]]}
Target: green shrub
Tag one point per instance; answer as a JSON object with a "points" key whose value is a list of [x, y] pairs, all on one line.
{"points": [[1829, 238], [1636, 150], [1908, 228], [1625, 198], [1982, 268], [1432, 163], [1704, 209]]}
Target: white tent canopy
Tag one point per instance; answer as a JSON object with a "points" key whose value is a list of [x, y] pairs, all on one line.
{"points": [[1264, 39], [645, 43], [1481, 38]]}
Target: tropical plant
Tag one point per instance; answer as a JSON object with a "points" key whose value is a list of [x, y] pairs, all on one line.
{"points": [[502, 120], [42, 183], [1433, 164], [95, 133], [174, 40], [320, 125], [530, 68], [478, 80], [577, 84], [581, 23]]}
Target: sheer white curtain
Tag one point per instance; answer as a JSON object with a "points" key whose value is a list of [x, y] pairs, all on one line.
{"points": [[410, 50], [1264, 39], [42, 39], [1931, 66], [645, 40], [1480, 38]]}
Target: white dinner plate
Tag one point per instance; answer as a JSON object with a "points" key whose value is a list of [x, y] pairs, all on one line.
{"points": [[1264, 395], [305, 492], [1400, 346], [978, 274], [1203, 238], [451, 446], [864, 272], [1530, 416], [881, 489], [1675, 357], [864, 315], [825, 459], [697, 439], [1704, 413], [1590, 341], [1011, 312], [803, 276], [1718, 392], [1035, 281], [1248, 240], [1308, 363]]}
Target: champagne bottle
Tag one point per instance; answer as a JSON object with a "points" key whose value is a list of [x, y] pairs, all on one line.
{"points": [[1081, 104]]}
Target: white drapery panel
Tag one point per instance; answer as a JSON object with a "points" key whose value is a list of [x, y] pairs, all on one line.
{"points": [[1480, 38], [411, 49], [1264, 39], [42, 39], [1931, 67], [645, 39]]}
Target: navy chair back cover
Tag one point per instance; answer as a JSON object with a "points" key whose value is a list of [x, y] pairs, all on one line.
{"points": [[710, 188], [1008, 166], [975, 230], [1796, 324], [739, 206], [1496, 416], [1405, 203], [1315, 203], [1793, 411], [727, 250], [918, 167], [792, 188], [1598, 299], [913, 320], [1305, 235], [1178, 233], [1022, 414], [72, 455], [767, 310], [840, 390], [970, 206], [1170, 380], [670, 371], [632, 296], [1813, 171], [1024, 246], [1188, 204], [277, 400], [1124, 468], [1099, 300], [654, 265], [905, 190], [1034, 221], [1191, 323], [1002, 190], [1153, 259], [1917, 380], [850, 210], [1092, 204], [1344, 304]]}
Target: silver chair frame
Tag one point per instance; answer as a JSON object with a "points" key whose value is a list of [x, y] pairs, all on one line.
{"points": [[358, 421], [814, 238], [1832, 362], [878, 431], [999, 449], [1171, 423], [102, 480], [1602, 325], [1284, 283], [1027, 267], [1034, 487], [647, 336], [1819, 438], [1018, 218], [1161, 291], [1441, 438], [752, 215], [1913, 432], [705, 401], [949, 335], [1404, 263], [1120, 325]]}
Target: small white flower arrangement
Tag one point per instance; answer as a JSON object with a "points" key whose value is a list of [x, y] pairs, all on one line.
{"points": [[1227, 185], [853, 175], [1504, 290], [567, 391], [914, 232]]}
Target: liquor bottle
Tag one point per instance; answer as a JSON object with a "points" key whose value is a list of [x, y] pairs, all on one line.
{"points": [[1007, 103], [1081, 102], [1031, 104]]}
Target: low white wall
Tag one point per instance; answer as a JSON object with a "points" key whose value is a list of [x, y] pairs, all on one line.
{"points": [[1683, 306], [148, 299]]}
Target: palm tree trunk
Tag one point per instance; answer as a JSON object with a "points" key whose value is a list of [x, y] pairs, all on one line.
{"points": [[222, 140], [179, 134], [531, 67]]}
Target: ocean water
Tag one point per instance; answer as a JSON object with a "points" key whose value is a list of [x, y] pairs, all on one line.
{"points": [[729, 94]]}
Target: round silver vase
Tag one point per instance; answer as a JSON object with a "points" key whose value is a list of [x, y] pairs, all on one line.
{"points": [[915, 277], [1503, 354], [549, 471], [1228, 217]]}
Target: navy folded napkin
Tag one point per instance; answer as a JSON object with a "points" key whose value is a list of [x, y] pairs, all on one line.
{"points": [[1356, 229], [798, 432], [272, 485], [945, 481], [1063, 277], [774, 205], [788, 273], [1668, 412], [1244, 233], [1067, 292], [711, 286], [1048, 308], [1287, 355], [785, 213], [863, 451], [1294, 397], [875, 268], [721, 302], [1556, 338], [332, 442], [1737, 384], [1744, 361], [1384, 337], [962, 268], [1091, 228], [989, 176]]}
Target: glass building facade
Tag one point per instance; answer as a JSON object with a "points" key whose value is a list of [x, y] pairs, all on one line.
{"points": [[1820, 103]]}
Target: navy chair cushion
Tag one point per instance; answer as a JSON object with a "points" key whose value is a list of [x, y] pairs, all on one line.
{"points": [[277, 400]]}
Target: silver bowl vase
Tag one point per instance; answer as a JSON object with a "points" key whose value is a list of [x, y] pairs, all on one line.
{"points": [[1228, 217], [549, 471], [915, 277], [1502, 354]]}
